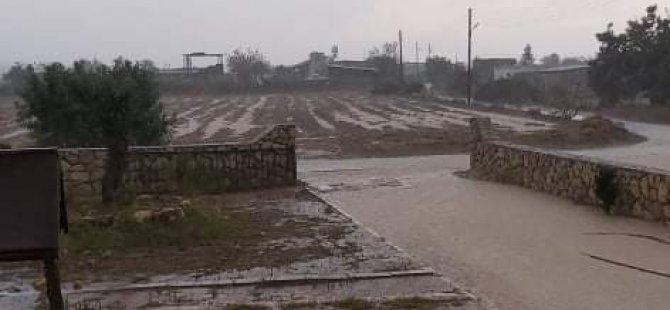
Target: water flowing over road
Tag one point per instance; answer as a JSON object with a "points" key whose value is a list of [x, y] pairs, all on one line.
{"points": [[655, 152], [516, 248]]}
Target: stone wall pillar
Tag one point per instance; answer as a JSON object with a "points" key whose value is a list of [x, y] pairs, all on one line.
{"points": [[481, 129]]}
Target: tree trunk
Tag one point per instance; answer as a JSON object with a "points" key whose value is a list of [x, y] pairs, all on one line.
{"points": [[112, 182]]}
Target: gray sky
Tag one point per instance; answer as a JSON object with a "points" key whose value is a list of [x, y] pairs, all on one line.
{"points": [[287, 30]]}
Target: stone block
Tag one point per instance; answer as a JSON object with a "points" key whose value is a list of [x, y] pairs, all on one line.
{"points": [[662, 192]]}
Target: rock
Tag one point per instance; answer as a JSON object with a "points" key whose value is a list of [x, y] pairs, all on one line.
{"points": [[91, 263], [144, 198], [98, 221], [106, 254], [79, 176], [142, 216], [644, 187], [662, 192], [184, 204], [169, 215]]}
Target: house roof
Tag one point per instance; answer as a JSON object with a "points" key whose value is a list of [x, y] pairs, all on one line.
{"points": [[354, 68], [564, 69]]}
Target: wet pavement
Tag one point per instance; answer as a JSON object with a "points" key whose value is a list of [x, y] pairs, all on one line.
{"points": [[517, 248]]}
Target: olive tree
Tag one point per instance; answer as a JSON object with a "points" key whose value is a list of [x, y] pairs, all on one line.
{"points": [[91, 104]]}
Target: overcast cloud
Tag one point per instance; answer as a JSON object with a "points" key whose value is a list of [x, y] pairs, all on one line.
{"points": [[287, 30]]}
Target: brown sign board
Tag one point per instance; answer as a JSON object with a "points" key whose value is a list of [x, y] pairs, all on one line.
{"points": [[30, 202]]}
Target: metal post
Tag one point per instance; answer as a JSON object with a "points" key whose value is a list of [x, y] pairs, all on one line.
{"points": [[417, 61], [52, 277], [469, 56]]}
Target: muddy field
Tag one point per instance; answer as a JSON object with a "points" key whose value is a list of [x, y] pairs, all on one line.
{"points": [[338, 123], [342, 123]]}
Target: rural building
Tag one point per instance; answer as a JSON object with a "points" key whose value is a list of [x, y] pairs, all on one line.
{"points": [[321, 68], [483, 69], [317, 68], [575, 75], [351, 72], [415, 71], [508, 72]]}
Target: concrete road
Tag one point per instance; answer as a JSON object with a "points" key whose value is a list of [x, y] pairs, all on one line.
{"points": [[655, 152], [516, 248]]}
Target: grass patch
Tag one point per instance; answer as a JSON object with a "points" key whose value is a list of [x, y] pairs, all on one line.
{"points": [[213, 235], [196, 228]]}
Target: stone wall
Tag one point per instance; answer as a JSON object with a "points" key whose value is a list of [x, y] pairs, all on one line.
{"points": [[267, 161], [618, 188]]}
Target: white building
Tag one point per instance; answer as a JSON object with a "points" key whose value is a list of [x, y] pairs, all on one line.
{"points": [[508, 72]]}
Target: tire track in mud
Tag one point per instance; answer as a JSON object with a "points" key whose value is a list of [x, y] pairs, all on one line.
{"points": [[354, 137], [235, 122], [312, 109], [188, 120], [275, 111], [415, 116], [364, 108], [216, 112], [363, 117], [514, 123], [307, 117], [419, 117], [316, 131], [461, 116], [331, 122]]}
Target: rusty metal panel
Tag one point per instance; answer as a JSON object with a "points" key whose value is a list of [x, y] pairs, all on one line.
{"points": [[29, 200]]}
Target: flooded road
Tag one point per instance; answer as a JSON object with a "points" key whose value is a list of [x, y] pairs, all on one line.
{"points": [[517, 248], [655, 152]]}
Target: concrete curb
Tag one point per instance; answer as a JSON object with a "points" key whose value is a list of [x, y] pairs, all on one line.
{"points": [[286, 280], [327, 201]]}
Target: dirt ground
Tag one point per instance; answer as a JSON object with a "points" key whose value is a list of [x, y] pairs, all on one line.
{"points": [[336, 124], [268, 248], [642, 113], [591, 132]]}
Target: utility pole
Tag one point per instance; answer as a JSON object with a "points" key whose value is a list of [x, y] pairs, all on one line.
{"points": [[417, 60], [470, 56], [430, 51], [402, 66]]}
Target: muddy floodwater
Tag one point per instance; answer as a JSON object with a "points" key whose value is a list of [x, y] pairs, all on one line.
{"points": [[655, 152], [516, 248]]}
